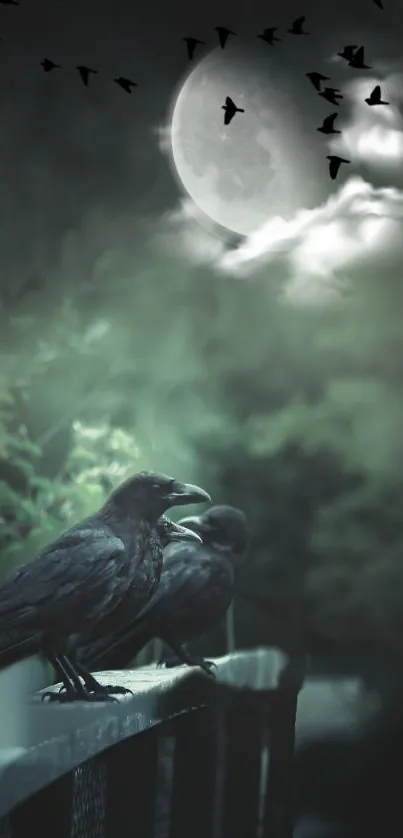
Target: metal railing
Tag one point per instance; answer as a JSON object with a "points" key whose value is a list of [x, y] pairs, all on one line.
{"points": [[182, 756]]}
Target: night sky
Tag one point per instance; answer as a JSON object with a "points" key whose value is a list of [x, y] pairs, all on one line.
{"points": [[73, 157]]}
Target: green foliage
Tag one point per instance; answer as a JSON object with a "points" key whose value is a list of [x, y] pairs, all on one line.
{"points": [[296, 415]]}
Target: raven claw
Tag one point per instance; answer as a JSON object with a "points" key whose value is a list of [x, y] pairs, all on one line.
{"points": [[115, 690], [65, 697]]}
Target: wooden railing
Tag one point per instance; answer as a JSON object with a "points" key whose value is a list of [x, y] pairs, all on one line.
{"points": [[183, 756]]}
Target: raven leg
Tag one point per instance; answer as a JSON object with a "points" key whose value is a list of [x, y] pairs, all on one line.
{"points": [[92, 684], [182, 656], [74, 690]]}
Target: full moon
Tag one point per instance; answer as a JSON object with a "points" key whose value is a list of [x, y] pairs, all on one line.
{"points": [[242, 174]]}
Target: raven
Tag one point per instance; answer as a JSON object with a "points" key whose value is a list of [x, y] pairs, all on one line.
{"points": [[334, 164], [230, 109], [85, 73], [110, 562], [375, 98], [316, 78], [348, 52], [191, 44], [331, 94], [357, 60], [327, 126], [268, 35], [297, 26], [195, 591], [125, 84], [49, 65], [223, 35]]}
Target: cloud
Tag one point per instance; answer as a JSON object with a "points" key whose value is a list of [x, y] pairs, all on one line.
{"points": [[353, 226], [373, 135]]}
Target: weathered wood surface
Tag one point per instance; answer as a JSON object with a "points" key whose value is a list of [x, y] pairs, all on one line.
{"points": [[55, 739]]}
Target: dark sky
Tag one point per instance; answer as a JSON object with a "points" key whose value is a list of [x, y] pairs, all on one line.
{"points": [[67, 153]]}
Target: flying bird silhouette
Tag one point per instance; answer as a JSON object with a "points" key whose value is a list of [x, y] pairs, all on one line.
{"points": [[375, 97], [125, 84], [316, 79], [85, 73], [327, 126], [348, 52], [335, 163], [296, 27], [332, 95], [230, 109], [357, 60], [191, 46], [268, 35], [49, 65], [223, 35], [378, 3], [9, 3]]}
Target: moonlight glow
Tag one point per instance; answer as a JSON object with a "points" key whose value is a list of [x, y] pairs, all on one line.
{"points": [[242, 174]]}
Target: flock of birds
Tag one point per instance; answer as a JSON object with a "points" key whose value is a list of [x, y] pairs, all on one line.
{"points": [[351, 53]]}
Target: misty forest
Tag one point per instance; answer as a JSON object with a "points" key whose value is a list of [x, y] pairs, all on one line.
{"points": [[293, 413]]}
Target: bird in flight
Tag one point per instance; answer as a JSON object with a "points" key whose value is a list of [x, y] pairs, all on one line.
{"points": [[223, 35], [85, 73], [378, 3], [9, 3], [375, 97], [49, 65], [125, 84], [230, 109], [348, 52], [316, 79], [335, 163], [191, 44], [268, 35], [332, 95], [327, 126], [296, 27], [357, 60]]}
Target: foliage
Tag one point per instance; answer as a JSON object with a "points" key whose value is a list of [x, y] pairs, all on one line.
{"points": [[294, 414]]}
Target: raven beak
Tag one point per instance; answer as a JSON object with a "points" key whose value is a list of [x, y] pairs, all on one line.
{"points": [[184, 493], [179, 533], [192, 522]]}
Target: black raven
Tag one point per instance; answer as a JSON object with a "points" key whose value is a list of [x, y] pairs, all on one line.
{"points": [[378, 3], [357, 60], [230, 109], [191, 44], [348, 52], [223, 35], [195, 591], [335, 163], [110, 562], [316, 78], [296, 27], [332, 95], [85, 73], [125, 84], [49, 65], [327, 126], [375, 97], [268, 35]]}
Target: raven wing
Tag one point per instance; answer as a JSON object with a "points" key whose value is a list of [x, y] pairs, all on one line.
{"points": [[73, 581], [192, 579]]}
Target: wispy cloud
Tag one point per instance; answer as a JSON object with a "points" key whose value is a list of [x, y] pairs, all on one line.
{"points": [[373, 135]]}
